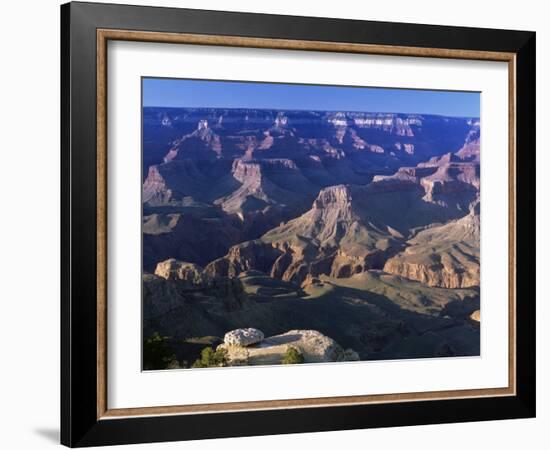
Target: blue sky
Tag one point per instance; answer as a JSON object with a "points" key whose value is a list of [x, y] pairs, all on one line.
{"points": [[232, 94]]}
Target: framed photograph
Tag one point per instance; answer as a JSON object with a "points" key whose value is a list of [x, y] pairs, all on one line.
{"points": [[277, 224]]}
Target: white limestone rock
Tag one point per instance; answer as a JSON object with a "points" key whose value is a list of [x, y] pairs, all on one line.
{"points": [[314, 346], [243, 337]]}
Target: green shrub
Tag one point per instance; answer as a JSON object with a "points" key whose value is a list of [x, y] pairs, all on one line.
{"points": [[293, 356], [211, 358], [158, 353]]}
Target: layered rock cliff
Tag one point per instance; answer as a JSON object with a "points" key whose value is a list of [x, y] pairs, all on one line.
{"points": [[334, 237], [445, 256], [350, 229]]}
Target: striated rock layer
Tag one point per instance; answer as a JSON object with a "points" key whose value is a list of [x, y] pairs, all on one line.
{"points": [[414, 223], [445, 256], [173, 269]]}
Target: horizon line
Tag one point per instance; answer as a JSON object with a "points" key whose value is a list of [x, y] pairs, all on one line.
{"points": [[311, 110]]}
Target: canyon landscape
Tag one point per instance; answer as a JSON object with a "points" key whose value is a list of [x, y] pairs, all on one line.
{"points": [[288, 236]]}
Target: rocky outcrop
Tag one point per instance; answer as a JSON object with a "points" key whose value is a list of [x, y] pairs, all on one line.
{"points": [[266, 182], [335, 198], [391, 123], [172, 269], [202, 143], [451, 178], [243, 337], [192, 307], [334, 237], [252, 255], [442, 272], [160, 296], [313, 345], [246, 171], [311, 281], [445, 256], [410, 174], [171, 182], [471, 149], [196, 234], [439, 177]]}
